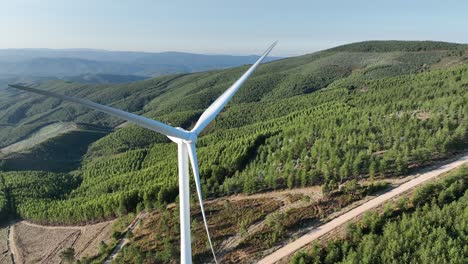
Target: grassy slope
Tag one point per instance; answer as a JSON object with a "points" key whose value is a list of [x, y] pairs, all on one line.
{"points": [[62, 153], [260, 130]]}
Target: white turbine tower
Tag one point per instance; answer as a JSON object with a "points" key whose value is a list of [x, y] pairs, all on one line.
{"points": [[186, 148]]}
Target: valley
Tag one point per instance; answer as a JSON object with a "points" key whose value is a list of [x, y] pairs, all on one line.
{"points": [[307, 139]]}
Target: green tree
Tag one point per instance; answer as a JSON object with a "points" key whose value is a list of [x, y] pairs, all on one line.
{"points": [[68, 255]]}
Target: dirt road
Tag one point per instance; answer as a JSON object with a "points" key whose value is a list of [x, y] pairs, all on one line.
{"points": [[322, 230], [17, 258], [124, 240], [52, 227]]}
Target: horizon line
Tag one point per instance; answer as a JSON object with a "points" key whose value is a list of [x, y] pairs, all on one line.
{"points": [[284, 55]]}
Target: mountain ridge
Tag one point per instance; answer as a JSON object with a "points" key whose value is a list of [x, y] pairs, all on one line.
{"points": [[50, 62], [398, 45]]}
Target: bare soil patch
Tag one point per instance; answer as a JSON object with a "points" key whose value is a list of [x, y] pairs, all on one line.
{"points": [[5, 253], [43, 244]]}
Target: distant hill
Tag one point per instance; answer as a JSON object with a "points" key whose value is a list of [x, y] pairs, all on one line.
{"points": [[104, 78], [84, 78], [398, 45], [58, 63]]}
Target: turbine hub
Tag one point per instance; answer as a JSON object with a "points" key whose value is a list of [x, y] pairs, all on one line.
{"points": [[192, 137]]}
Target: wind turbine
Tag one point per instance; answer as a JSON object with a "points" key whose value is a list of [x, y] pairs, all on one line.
{"points": [[186, 148]]}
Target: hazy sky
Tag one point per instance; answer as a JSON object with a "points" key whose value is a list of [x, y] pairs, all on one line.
{"points": [[229, 27]]}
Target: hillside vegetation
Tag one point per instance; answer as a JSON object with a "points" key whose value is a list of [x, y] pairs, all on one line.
{"points": [[395, 45], [429, 227], [319, 119], [23, 113]]}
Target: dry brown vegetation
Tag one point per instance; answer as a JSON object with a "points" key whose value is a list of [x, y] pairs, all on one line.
{"points": [[242, 227], [295, 220], [225, 218], [43, 244]]}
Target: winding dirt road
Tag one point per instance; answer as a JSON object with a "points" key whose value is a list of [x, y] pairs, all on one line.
{"points": [[337, 222]]}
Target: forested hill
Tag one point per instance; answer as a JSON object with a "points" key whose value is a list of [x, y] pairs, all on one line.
{"points": [[318, 119], [21, 114], [396, 45]]}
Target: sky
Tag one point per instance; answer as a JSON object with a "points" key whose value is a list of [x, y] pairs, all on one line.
{"points": [[225, 27]]}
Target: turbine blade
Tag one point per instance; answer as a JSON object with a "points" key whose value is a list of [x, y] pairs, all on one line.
{"points": [[196, 174], [139, 120], [213, 110]]}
